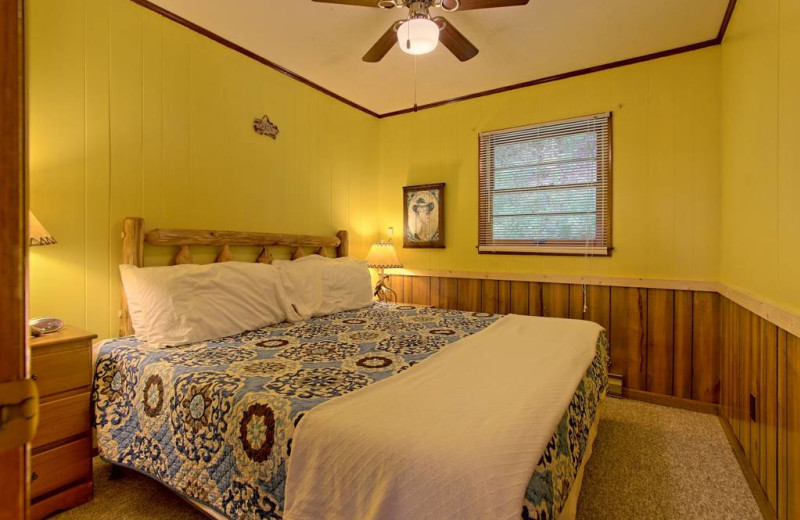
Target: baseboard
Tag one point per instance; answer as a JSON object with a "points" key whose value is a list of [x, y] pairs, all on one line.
{"points": [[749, 474], [671, 401], [67, 499]]}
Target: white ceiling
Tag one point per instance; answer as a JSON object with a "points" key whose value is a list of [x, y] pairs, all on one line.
{"points": [[324, 42]]}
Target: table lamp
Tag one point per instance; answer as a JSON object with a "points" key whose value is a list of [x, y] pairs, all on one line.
{"points": [[39, 236], [382, 255]]}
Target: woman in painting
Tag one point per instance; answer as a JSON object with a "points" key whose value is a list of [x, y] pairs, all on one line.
{"points": [[423, 217]]}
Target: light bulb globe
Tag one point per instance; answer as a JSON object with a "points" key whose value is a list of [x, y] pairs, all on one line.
{"points": [[418, 36]]}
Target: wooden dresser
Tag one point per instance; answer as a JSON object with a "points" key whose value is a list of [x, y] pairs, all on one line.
{"points": [[61, 451]]}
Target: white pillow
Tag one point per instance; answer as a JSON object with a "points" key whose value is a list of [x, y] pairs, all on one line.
{"points": [[184, 304], [347, 285], [317, 286], [147, 292]]}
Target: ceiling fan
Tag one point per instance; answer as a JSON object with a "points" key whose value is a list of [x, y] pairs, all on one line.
{"points": [[420, 33]]}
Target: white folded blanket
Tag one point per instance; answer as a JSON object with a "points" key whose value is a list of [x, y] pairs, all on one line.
{"points": [[457, 436]]}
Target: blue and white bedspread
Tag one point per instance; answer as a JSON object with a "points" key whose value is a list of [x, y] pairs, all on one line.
{"points": [[215, 420]]}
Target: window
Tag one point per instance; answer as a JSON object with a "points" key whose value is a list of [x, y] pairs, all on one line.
{"points": [[545, 188]]}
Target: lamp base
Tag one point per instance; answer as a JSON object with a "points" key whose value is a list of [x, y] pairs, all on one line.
{"points": [[383, 292]]}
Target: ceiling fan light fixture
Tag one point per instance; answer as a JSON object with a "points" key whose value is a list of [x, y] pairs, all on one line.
{"points": [[418, 36]]}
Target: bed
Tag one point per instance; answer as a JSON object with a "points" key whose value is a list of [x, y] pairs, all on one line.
{"points": [[215, 420]]}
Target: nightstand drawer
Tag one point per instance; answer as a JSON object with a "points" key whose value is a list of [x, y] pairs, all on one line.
{"points": [[63, 370], [62, 419], [61, 466], [61, 473]]}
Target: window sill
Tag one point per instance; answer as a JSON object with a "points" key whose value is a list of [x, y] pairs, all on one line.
{"points": [[557, 250]]}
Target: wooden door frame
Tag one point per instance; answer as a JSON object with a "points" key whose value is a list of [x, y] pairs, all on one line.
{"points": [[13, 244]]}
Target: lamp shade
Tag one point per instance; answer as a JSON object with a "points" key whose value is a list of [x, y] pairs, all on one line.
{"points": [[418, 36], [383, 256], [39, 236]]}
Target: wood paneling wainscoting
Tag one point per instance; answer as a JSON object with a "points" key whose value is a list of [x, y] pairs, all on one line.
{"points": [[760, 402], [663, 341], [688, 344]]}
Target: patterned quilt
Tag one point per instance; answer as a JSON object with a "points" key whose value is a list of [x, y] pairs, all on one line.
{"points": [[214, 420]]}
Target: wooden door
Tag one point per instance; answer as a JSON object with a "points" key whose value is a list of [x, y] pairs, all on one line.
{"points": [[13, 245]]}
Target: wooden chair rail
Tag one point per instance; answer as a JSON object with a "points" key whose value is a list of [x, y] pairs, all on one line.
{"points": [[605, 281]]}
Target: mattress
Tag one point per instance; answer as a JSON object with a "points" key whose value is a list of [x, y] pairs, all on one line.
{"points": [[214, 421]]}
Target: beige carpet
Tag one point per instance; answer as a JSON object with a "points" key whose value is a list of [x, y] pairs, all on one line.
{"points": [[649, 462]]}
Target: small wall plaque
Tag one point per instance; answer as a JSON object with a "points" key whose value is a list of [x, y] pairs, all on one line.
{"points": [[264, 126]]}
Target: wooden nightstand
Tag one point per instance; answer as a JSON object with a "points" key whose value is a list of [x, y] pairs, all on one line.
{"points": [[61, 451]]}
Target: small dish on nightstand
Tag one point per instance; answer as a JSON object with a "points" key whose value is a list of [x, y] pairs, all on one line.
{"points": [[45, 325]]}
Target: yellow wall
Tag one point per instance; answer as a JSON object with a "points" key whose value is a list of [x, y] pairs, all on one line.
{"points": [[760, 250], [666, 169], [130, 114]]}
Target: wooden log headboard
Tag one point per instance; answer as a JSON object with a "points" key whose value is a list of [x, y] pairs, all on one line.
{"points": [[134, 239]]}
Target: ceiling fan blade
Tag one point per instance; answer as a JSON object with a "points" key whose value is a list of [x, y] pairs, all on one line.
{"points": [[455, 41], [361, 3], [382, 46], [468, 5]]}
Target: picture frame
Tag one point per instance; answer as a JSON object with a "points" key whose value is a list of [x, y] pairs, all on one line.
{"points": [[423, 216]]}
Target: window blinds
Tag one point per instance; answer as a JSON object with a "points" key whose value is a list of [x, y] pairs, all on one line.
{"points": [[546, 188]]}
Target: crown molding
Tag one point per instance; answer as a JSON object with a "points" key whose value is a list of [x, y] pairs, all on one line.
{"points": [[253, 56], [557, 77]]}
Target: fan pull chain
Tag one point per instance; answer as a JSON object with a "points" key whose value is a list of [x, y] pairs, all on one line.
{"points": [[415, 83]]}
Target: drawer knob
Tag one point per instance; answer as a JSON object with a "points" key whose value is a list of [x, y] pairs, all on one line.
{"points": [[34, 476], [34, 377]]}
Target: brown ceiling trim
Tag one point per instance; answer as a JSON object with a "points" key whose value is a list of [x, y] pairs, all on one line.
{"points": [[566, 75], [557, 77], [726, 21], [238, 48]]}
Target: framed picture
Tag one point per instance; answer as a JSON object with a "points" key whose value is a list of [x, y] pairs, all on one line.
{"points": [[423, 216]]}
